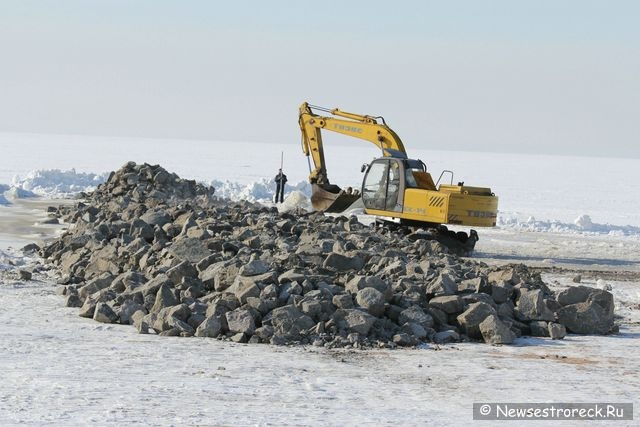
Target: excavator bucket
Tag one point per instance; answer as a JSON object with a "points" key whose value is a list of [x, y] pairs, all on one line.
{"points": [[333, 200]]}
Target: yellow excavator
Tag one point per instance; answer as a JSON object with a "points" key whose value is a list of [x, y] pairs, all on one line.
{"points": [[395, 188]]}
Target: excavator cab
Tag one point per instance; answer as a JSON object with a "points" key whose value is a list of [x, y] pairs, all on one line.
{"points": [[383, 185], [386, 179]]}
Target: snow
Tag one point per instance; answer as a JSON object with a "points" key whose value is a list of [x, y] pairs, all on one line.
{"points": [[564, 215], [55, 183]]}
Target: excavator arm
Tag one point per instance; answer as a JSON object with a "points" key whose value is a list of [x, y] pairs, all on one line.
{"points": [[354, 125]]}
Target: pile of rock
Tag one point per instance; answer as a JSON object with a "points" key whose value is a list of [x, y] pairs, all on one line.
{"points": [[143, 250], [147, 183]]}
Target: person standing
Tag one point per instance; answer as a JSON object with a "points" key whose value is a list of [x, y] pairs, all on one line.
{"points": [[281, 180]]}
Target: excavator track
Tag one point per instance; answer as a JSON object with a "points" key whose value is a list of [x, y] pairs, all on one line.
{"points": [[459, 243]]}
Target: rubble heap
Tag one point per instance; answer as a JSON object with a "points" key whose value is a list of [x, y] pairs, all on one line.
{"points": [[163, 254]]}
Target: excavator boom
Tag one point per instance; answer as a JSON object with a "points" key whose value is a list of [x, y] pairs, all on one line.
{"points": [[325, 196]]}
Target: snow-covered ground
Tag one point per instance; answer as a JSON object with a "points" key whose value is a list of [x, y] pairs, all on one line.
{"points": [[565, 215]]}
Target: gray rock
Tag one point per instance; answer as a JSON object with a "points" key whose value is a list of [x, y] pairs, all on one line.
{"points": [[468, 299], [450, 304], [152, 286], [164, 298], [163, 241], [416, 314], [104, 313], [140, 228], [138, 317], [439, 316], [359, 282], [179, 272], [288, 322], [166, 318], [288, 289], [494, 331], [371, 300], [501, 291], [239, 338], [604, 299], [470, 285], [211, 327], [157, 217], [292, 275], [73, 300], [354, 320], [227, 302], [128, 281], [25, 274], [128, 309], [403, 339], [254, 268], [557, 331], [586, 318], [311, 308], [343, 301], [415, 330], [264, 306], [472, 317], [176, 328], [95, 285], [539, 328], [505, 310], [220, 275], [89, 305], [531, 306], [340, 262], [244, 289], [264, 333], [444, 284], [508, 275], [575, 294], [445, 337], [189, 249]]}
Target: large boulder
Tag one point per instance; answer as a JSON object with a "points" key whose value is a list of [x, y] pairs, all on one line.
{"points": [[104, 313], [586, 318], [495, 331], [240, 321], [371, 300], [531, 306], [575, 294], [189, 249], [472, 317], [360, 282], [288, 322], [340, 262], [444, 284], [450, 304], [210, 327], [157, 217], [415, 314], [182, 270], [354, 320], [164, 298], [219, 275]]}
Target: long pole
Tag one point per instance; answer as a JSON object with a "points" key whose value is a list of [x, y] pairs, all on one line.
{"points": [[281, 159]]}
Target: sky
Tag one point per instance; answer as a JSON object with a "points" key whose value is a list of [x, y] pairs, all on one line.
{"points": [[551, 77]]}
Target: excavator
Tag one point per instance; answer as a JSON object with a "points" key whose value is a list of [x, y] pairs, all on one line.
{"points": [[395, 189]]}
